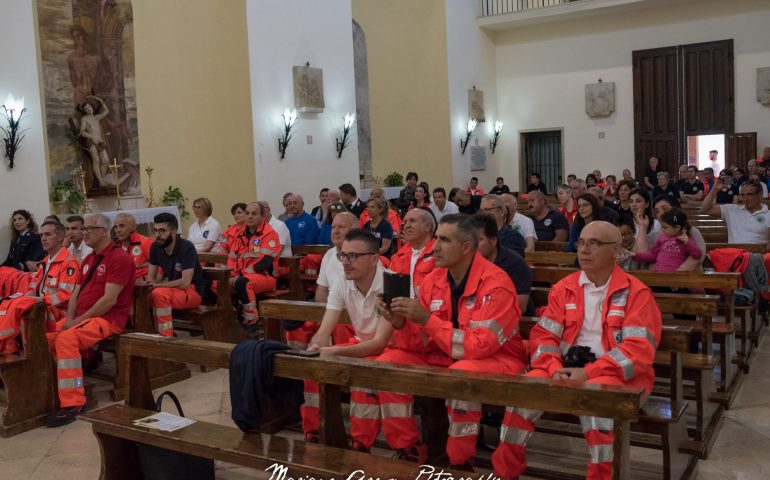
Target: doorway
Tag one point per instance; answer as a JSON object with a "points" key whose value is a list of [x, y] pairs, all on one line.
{"points": [[541, 152], [706, 151]]}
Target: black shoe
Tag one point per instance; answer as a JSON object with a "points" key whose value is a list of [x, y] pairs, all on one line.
{"points": [[312, 437], [360, 447], [64, 416], [465, 467], [417, 453]]}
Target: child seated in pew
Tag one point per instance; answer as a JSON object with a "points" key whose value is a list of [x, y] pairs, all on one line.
{"points": [[673, 245]]}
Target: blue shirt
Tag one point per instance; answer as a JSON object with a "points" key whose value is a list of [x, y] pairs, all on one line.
{"points": [[303, 229]]}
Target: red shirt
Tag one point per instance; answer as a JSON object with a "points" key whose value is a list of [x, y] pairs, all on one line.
{"points": [[115, 267]]}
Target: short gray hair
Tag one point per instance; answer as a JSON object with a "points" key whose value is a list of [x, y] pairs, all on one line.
{"points": [[101, 220]]}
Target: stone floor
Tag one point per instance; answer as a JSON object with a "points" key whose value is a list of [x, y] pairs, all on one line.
{"points": [[742, 450]]}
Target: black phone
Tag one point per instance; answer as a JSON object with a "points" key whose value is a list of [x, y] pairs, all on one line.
{"points": [[395, 285], [302, 353]]}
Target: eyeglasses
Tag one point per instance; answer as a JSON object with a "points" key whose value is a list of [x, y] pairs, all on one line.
{"points": [[336, 207], [592, 243], [490, 210], [89, 229], [583, 205], [351, 257]]}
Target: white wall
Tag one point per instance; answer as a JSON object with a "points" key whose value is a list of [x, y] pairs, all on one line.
{"points": [[542, 71], [282, 35], [26, 186], [471, 61]]}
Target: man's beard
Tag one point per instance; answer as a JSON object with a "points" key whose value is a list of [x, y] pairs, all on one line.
{"points": [[164, 243]]}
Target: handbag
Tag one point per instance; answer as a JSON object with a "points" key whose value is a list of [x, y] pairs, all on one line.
{"points": [[161, 464]]}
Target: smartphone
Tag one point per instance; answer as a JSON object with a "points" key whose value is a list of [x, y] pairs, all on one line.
{"points": [[302, 353], [395, 285]]}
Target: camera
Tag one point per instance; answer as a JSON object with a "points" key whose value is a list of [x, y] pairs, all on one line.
{"points": [[578, 356]]}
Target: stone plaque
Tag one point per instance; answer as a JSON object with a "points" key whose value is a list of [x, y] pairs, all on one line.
{"points": [[600, 99], [763, 85], [308, 89], [478, 158], [476, 105]]}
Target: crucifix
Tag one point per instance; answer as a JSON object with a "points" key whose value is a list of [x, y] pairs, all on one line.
{"points": [[114, 167]]}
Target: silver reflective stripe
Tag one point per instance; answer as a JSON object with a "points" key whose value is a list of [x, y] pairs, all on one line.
{"points": [[463, 429], [525, 413], [616, 313], [10, 331], [514, 436], [250, 270], [165, 326], [311, 399], [68, 363], [162, 312], [596, 423], [492, 326], [545, 349], [397, 410], [364, 410], [619, 298], [458, 350], [464, 406], [54, 299], [640, 332], [564, 347], [232, 255], [297, 345], [71, 382], [624, 362], [552, 326], [67, 286], [365, 391], [250, 316], [250, 305], [570, 306], [601, 453]]}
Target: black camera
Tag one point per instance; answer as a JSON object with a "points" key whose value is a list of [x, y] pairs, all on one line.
{"points": [[578, 357]]}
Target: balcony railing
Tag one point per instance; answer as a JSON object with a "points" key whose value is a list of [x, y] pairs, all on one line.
{"points": [[499, 7]]}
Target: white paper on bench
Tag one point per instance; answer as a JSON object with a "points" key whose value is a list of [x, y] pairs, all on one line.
{"points": [[168, 422]]}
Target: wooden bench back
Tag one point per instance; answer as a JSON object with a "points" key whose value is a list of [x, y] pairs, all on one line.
{"points": [[310, 249], [711, 280]]}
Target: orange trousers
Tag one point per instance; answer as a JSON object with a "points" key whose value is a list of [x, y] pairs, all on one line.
{"points": [[248, 287], [163, 300]]}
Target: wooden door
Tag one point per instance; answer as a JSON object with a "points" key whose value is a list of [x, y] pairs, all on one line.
{"points": [[708, 88], [740, 148]]}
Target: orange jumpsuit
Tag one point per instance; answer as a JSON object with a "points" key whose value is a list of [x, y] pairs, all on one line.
{"points": [[139, 249], [253, 256], [482, 335], [631, 325]]}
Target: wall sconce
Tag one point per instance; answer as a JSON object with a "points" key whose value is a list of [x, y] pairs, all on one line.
{"points": [[469, 131], [493, 142], [12, 136], [347, 124], [289, 120]]}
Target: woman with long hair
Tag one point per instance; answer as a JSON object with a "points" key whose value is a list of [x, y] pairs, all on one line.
{"points": [[421, 196], [26, 248], [589, 210], [623, 202]]}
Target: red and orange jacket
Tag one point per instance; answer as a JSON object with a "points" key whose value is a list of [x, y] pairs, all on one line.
{"points": [[139, 249], [401, 262], [56, 285], [12, 281], [631, 325], [245, 251], [488, 317]]}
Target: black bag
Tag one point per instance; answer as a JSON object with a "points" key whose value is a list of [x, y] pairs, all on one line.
{"points": [[161, 464]]}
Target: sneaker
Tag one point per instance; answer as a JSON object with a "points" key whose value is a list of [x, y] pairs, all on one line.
{"points": [[64, 416], [360, 447], [312, 437], [465, 467], [417, 453]]}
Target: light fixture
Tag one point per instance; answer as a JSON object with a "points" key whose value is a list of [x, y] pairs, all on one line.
{"points": [[469, 131], [493, 142], [13, 110], [289, 120], [347, 124]]}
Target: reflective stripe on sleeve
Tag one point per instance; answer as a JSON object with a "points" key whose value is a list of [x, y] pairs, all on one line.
{"points": [[640, 332], [493, 327], [458, 349], [551, 325], [541, 349], [624, 362]]}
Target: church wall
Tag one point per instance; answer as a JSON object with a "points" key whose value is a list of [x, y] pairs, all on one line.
{"points": [[542, 71], [408, 88], [26, 186], [192, 82], [280, 36]]}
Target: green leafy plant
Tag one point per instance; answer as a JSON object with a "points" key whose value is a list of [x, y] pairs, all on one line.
{"points": [[174, 196], [66, 191], [395, 179]]}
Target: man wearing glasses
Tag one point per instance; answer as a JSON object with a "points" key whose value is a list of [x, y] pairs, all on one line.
{"points": [[174, 273], [601, 308], [747, 223], [98, 308], [357, 294], [495, 207]]}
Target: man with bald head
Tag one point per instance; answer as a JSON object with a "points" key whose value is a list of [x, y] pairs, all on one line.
{"points": [[302, 226], [606, 310], [550, 225], [520, 223], [415, 257], [134, 243]]}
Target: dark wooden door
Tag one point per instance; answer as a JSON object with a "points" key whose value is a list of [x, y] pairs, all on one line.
{"points": [[708, 88], [657, 120], [740, 148]]}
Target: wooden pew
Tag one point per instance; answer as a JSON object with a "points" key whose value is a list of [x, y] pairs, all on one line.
{"points": [[28, 395], [543, 246], [302, 250], [118, 437], [294, 290], [556, 259]]}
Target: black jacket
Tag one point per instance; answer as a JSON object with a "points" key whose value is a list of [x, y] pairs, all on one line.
{"points": [[26, 247], [252, 384]]}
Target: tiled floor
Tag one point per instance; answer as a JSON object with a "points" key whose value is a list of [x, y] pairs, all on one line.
{"points": [[742, 450]]}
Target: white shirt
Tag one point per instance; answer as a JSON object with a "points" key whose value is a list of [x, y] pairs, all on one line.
{"points": [[362, 309], [524, 225], [331, 269], [80, 252], [745, 227], [593, 299], [412, 263], [449, 208], [283, 235], [209, 231]]}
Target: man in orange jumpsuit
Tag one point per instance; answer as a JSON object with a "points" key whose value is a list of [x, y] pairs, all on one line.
{"points": [[136, 244], [99, 307], [600, 307], [53, 282], [466, 317], [253, 256], [416, 256]]}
